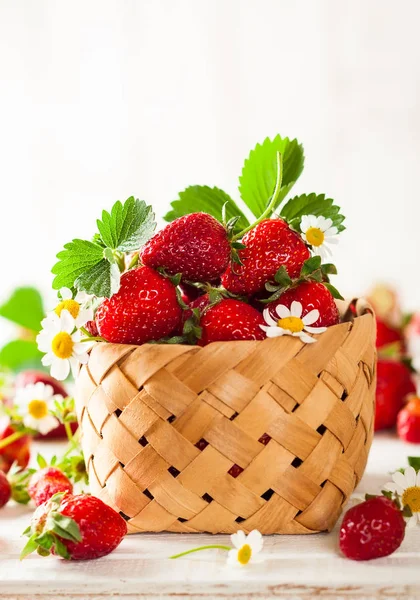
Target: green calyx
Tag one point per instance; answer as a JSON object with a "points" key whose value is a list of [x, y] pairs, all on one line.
{"points": [[48, 530], [19, 480]]}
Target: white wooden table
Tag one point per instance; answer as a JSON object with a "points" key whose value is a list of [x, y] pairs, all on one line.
{"points": [[292, 566]]}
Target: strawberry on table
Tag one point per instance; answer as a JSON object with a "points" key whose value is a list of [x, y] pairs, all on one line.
{"points": [[408, 421], [195, 245], [231, 320], [372, 529], [17, 451], [394, 384], [269, 245], [145, 308], [74, 527], [47, 482], [5, 490]]}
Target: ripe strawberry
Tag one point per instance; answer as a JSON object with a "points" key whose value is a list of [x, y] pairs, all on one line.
{"points": [[385, 334], [30, 377], [195, 245], [270, 245], [408, 421], [311, 295], [231, 320], [372, 529], [92, 529], [5, 490], [18, 451], [394, 383], [145, 308], [90, 326], [47, 482], [189, 293]]}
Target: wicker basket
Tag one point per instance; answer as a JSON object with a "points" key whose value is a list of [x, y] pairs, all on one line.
{"points": [[271, 435]]}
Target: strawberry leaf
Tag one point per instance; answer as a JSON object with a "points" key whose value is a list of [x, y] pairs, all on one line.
{"points": [[24, 308], [334, 292], [311, 204], [18, 354], [310, 266], [414, 461], [30, 546], [101, 280], [214, 201], [77, 258], [128, 226], [259, 172]]}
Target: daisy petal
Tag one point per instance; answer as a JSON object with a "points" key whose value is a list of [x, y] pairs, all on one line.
{"points": [[47, 424], [65, 293], [273, 332], [268, 318], [238, 539], [330, 232], [67, 321], [412, 522], [325, 224], [400, 480], [60, 369], [391, 487], [306, 338], [315, 329], [296, 309], [311, 317], [232, 557], [282, 311], [255, 540], [410, 476]]}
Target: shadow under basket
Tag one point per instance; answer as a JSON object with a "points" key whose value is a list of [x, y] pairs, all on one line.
{"points": [[271, 435]]}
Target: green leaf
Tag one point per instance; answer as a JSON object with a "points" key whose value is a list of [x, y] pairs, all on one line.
{"points": [[77, 258], [60, 549], [201, 198], [45, 540], [414, 461], [128, 226], [259, 172], [102, 279], [310, 265], [29, 547], [42, 463], [24, 307], [20, 353], [282, 277], [329, 269], [63, 526], [334, 292], [311, 204]]}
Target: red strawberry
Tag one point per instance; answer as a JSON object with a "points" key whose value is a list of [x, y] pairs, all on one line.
{"points": [[18, 451], [394, 383], [231, 320], [31, 377], [270, 245], [5, 490], [92, 528], [311, 295], [189, 293], [90, 326], [385, 334], [145, 308], [408, 422], [47, 482], [372, 529], [195, 245]]}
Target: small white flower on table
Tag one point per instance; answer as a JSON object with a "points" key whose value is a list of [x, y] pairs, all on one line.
{"points": [[319, 233], [61, 342], [407, 487], [292, 322], [75, 306], [34, 403], [245, 547]]}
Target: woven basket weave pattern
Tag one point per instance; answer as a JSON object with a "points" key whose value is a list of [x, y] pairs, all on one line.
{"points": [[272, 435]]}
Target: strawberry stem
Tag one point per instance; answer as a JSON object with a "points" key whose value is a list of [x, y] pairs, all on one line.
{"points": [[211, 546], [272, 204], [11, 438], [69, 432]]}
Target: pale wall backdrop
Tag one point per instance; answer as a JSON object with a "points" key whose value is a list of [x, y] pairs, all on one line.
{"points": [[100, 100]]}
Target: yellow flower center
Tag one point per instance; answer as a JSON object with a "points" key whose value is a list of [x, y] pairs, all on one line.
{"points": [[71, 305], [38, 409], [411, 498], [244, 554], [62, 345], [293, 324], [315, 236]]}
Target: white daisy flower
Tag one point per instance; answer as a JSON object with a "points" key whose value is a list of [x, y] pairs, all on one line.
{"points": [[34, 402], [319, 233], [62, 345], [76, 306], [292, 322], [407, 486], [245, 547]]}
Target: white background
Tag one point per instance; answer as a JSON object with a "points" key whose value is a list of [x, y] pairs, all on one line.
{"points": [[100, 100]]}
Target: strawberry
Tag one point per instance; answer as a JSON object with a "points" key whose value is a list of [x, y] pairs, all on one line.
{"points": [[90, 326], [145, 308], [5, 490], [18, 451], [372, 529], [408, 421], [312, 295], [47, 482], [231, 320], [74, 527], [189, 293], [269, 245], [195, 245], [385, 334], [394, 383], [31, 377]]}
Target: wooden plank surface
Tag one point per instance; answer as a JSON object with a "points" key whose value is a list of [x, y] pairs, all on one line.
{"points": [[291, 566]]}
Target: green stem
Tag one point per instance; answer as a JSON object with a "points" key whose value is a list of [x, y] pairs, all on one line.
{"points": [[69, 432], [212, 546], [93, 339], [11, 438], [271, 206]]}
